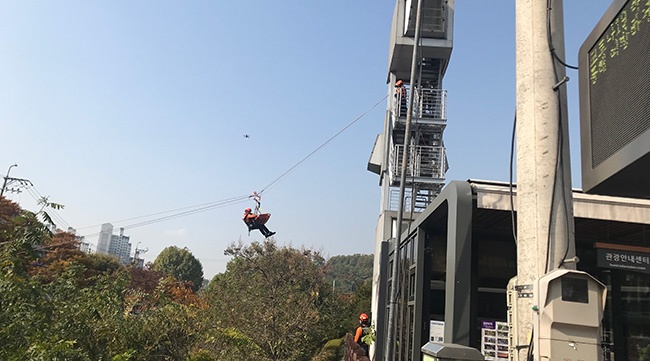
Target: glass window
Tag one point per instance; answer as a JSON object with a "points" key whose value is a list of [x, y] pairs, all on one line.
{"points": [[411, 285], [575, 290], [635, 297]]}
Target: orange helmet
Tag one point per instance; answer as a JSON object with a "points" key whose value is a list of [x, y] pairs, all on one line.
{"points": [[363, 317], [247, 210], [399, 83]]}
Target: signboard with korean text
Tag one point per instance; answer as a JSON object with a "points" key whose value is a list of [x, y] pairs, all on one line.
{"points": [[625, 260]]}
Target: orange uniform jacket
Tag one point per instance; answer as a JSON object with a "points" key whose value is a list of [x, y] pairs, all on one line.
{"points": [[358, 334], [249, 218]]}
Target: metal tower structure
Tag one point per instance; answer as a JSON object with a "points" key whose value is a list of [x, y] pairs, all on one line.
{"points": [[427, 159]]}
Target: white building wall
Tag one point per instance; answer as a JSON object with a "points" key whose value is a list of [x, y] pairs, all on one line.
{"points": [[120, 247], [104, 240]]}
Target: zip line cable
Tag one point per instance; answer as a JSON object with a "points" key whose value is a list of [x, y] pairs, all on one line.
{"points": [[283, 175], [198, 210], [168, 211], [211, 205], [234, 200]]}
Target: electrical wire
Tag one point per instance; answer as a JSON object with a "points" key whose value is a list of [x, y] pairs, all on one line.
{"points": [[54, 215], [529, 352], [512, 156], [551, 47], [559, 163], [562, 62]]}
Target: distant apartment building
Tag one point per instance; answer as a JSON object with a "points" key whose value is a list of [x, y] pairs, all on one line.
{"points": [[115, 245], [83, 246], [104, 238]]}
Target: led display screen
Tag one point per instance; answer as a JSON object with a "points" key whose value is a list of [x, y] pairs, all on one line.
{"points": [[619, 81], [614, 79]]}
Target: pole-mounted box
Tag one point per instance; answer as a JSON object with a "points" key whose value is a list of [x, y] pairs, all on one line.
{"points": [[570, 308]]}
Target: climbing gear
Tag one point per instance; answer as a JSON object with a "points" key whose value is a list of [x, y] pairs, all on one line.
{"points": [[260, 218]]}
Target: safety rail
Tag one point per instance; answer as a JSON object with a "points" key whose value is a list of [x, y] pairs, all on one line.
{"points": [[424, 162], [400, 103], [429, 103], [423, 198], [394, 200]]}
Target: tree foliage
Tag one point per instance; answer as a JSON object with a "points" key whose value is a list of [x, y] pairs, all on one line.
{"points": [[181, 264], [348, 272], [351, 275], [275, 299], [61, 304], [58, 303]]}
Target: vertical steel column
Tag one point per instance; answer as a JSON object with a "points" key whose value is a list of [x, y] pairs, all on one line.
{"points": [[390, 339]]}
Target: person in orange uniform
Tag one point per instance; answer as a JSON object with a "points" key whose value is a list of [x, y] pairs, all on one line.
{"points": [[250, 219], [362, 330], [400, 94]]}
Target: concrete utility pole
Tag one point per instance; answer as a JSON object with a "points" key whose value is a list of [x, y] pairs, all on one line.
{"points": [[390, 335], [545, 229]]}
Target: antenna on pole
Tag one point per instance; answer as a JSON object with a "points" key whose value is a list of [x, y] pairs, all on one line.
{"points": [[21, 183], [137, 253]]}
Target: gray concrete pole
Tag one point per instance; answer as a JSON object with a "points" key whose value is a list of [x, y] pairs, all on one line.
{"points": [[390, 337], [545, 234]]}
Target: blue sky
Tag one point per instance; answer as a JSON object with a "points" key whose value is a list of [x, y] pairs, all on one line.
{"points": [[127, 108]]}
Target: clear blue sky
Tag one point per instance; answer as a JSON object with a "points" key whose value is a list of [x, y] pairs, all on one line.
{"points": [[126, 108]]}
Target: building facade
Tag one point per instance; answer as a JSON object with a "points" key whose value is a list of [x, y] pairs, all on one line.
{"points": [[457, 254], [425, 101], [115, 245], [458, 257], [83, 246], [104, 240]]}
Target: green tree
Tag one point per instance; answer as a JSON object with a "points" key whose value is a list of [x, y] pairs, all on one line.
{"points": [[21, 234], [272, 303], [60, 304], [181, 264], [348, 272], [361, 302]]}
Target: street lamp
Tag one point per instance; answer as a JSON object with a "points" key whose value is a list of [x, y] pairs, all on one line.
{"points": [[4, 184]]}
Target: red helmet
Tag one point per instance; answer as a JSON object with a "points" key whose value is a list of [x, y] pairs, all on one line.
{"points": [[247, 210], [363, 317]]}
